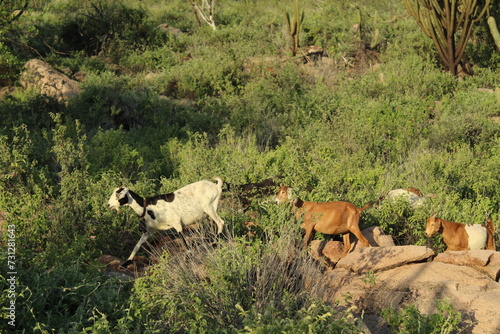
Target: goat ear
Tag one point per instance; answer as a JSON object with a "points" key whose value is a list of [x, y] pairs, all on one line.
{"points": [[121, 192]]}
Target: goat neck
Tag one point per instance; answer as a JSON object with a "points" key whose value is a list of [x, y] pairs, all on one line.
{"points": [[440, 223], [134, 200], [297, 203], [145, 204]]}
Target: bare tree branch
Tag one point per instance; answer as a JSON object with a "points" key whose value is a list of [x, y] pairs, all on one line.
{"points": [[205, 10]]}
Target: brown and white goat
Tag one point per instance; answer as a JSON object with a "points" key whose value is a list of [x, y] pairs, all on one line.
{"points": [[328, 218], [163, 212], [460, 237]]}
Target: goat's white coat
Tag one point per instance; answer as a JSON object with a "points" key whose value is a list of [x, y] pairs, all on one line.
{"points": [[189, 205], [477, 236], [414, 200]]}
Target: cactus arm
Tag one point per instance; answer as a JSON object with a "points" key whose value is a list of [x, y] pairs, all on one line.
{"points": [[492, 24], [288, 23], [471, 17], [442, 20], [293, 26]]}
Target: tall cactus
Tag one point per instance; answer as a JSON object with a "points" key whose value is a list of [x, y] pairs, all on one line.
{"points": [[494, 31], [375, 38], [294, 26], [449, 24]]}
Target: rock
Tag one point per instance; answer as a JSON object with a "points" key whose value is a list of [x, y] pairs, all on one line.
{"points": [[376, 324], [383, 258], [486, 261], [119, 275], [6, 91], [176, 32], [470, 292], [493, 267], [42, 76], [313, 54], [108, 259], [470, 258], [486, 90], [385, 241], [332, 250], [80, 76], [375, 236]]}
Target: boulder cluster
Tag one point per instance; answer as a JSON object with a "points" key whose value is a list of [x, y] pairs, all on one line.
{"points": [[384, 276]]}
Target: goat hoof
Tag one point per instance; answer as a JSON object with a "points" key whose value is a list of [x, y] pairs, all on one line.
{"points": [[127, 263]]}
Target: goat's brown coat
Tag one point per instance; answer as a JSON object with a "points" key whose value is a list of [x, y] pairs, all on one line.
{"points": [[328, 218], [454, 234]]}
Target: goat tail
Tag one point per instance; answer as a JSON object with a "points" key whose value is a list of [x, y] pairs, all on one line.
{"points": [[490, 229], [490, 225], [367, 205], [219, 181]]}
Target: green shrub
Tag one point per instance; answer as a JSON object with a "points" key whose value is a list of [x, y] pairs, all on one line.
{"points": [[109, 28], [410, 320], [10, 66], [235, 288], [109, 100], [68, 298], [404, 224], [313, 319], [159, 111], [131, 154], [209, 73], [153, 60]]}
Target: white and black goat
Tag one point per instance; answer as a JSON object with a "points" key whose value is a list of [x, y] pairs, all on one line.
{"points": [[182, 207]]}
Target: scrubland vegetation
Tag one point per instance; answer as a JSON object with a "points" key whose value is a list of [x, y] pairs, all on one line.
{"points": [[161, 108]]}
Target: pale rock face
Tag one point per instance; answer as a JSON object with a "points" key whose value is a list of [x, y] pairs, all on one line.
{"points": [[413, 275], [49, 81]]}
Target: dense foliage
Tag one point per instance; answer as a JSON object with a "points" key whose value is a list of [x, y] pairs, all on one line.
{"points": [[162, 107]]}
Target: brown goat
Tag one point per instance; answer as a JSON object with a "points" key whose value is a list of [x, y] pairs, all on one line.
{"points": [[460, 237], [416, 191], [327, 218]]}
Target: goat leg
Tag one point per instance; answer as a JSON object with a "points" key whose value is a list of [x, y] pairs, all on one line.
{"points": [[347, 243], [142, 240], [361, 237], [308, 237]]}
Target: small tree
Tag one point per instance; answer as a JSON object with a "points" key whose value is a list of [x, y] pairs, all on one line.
{"points": [[449, 23], [205, 10]]}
